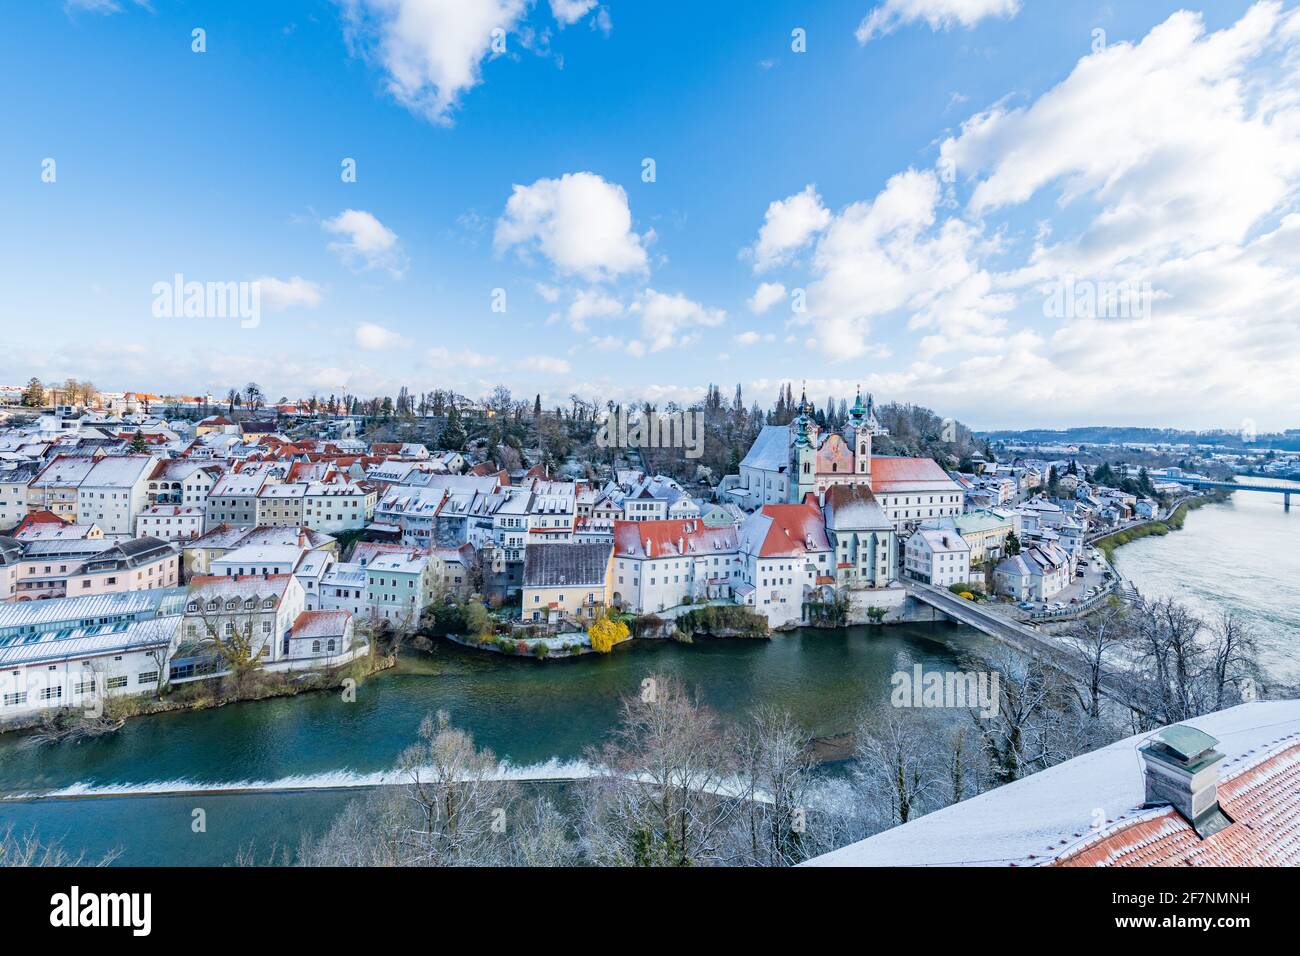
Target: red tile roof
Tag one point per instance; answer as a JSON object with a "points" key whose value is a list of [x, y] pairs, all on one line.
{"points": [[39, 517], [891, 474], [314, 624], [794, 530], [662, 538], [1262, 800]]}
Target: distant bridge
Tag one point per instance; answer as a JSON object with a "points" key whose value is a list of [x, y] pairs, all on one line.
{"points": [[1282, 490]]}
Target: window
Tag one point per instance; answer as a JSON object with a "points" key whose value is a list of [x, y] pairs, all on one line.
{"points": [[52, 693], [115, 683]]}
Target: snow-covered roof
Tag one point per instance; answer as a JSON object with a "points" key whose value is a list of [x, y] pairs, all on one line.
{"points": [[1041, 818], [771, 449], [96, 640]]}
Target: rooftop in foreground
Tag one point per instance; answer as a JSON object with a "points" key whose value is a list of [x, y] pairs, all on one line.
{"points": [[1047, 819]]}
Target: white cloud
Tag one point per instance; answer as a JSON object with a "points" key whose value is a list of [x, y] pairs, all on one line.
{"points": [[367, 243], [545, 363], [431, 50], [668, 320], [279, 294], [579, 222], [1217, 147], [765, 296], [592, 304], [938, 14], [1198, 200], [549, 293], [372, 337], [788, 226], [887, 255], [571, 11], [104, 7], [751, 337], [443, 358]]}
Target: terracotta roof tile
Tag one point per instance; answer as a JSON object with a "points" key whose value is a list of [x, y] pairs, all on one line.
{"points": [[1263, 800]]}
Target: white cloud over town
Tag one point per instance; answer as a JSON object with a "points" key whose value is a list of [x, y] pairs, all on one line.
{"points": [[888, 16], [365, 243], [580, 223]]}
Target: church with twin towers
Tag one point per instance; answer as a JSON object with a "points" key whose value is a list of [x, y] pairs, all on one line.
{"points": [[789, 462]]}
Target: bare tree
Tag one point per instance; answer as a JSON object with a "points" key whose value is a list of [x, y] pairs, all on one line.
{"points": [[774, 761], [454, 809], [26, 849], [895, 762], [1094, 640], [1036, 724], [1234, 667], [662, 797]]}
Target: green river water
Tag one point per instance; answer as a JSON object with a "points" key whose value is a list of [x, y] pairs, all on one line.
{"points": [[298, 751]]}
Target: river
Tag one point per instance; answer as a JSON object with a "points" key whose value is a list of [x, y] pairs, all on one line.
{"points": [[532, 714], [1242, 554]]}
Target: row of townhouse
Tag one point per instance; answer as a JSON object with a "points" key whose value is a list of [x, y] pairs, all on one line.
{"points": [[76, 651], [257, 498]]}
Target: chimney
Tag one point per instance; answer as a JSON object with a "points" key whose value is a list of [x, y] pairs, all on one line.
{"points": [[1182, 770]]}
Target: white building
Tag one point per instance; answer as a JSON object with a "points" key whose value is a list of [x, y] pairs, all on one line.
{"points": [[335, 506], [170, 522], [114, 492], [663, 564], [787, 558], [77, 666], [938, 556], [1036, 574], [342, 588], [263, 607]]}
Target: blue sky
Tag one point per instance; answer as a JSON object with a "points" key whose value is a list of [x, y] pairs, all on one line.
{"points": [[922, 181]]}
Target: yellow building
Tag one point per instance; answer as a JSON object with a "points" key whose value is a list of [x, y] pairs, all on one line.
{"points": [[566, 580]]}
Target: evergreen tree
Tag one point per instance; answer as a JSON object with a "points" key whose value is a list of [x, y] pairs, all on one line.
{"points": [[452, 437], [138, 445], [34, 394]]}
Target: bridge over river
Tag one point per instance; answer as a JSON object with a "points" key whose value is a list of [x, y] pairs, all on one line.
{"points": [[1283, 490], [1013, 633]]}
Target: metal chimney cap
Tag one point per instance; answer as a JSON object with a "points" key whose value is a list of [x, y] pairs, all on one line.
{"points": [[1187, 743]]}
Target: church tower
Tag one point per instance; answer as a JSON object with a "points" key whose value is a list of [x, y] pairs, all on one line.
{"points": [[804, 455], [857, 432]]}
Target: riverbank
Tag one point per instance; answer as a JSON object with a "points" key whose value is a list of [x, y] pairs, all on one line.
{"points": [[1107, 544], [72, 725]]}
